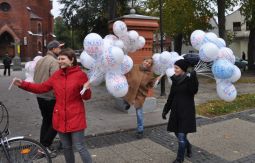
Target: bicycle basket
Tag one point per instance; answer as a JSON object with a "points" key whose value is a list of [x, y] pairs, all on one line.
{"points": [[4, 119]]}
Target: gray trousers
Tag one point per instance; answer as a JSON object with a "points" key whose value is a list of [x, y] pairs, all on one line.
{"points": [[74, 139]]}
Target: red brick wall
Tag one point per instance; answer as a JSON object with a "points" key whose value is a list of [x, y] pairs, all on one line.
{"points": [[18, 20]]}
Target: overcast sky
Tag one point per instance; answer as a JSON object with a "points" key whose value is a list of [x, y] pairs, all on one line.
{"points": [[56, 8]]}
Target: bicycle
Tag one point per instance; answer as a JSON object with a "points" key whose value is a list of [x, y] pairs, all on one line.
{"points": [[19, 149]]}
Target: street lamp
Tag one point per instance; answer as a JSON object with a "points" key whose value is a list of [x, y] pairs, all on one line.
{"points": [[162, 82]]}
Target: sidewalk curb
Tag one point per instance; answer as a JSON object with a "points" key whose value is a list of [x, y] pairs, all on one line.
{"points": [[121, 131]]}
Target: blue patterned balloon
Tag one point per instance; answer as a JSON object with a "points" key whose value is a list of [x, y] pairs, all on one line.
{"points": [[222, 69]]}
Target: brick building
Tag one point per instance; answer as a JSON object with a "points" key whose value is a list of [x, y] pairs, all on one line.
{"points": [[26, 26]]}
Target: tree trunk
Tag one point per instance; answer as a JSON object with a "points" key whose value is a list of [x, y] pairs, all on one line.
{"points": [[112, 9], [221, 18], [251, 49], [178, 43]]}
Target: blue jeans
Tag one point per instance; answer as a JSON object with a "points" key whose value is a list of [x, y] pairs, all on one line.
{"points": [[183, 143], [139, 116], [75, 139]]}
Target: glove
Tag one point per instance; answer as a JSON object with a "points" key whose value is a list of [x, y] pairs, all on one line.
{"points": [[163, 115]]}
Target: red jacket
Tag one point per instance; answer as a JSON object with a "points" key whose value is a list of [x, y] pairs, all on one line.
{"points": [[69, 111]]}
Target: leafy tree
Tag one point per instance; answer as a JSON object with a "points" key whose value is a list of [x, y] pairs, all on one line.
{"points": [[181, 17], [86, 16], [248, 10], [68, 36], [61, 31]]}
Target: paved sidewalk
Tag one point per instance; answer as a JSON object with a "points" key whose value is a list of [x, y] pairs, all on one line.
{"points": [[111, 135]]}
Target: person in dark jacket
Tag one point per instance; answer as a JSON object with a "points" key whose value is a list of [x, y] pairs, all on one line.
{"points": [[7, 64], [181, 103], [69, 116]]}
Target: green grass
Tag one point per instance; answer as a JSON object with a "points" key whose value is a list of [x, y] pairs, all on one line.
{"points": [[243, 79], [246, 80], [219, 107]]}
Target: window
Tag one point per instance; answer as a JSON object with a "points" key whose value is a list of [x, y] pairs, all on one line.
{"points": [[5, 6], [236, 26], [39, 28]]}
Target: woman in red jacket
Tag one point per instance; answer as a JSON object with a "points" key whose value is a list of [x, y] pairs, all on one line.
{"points": [[69, 117]]}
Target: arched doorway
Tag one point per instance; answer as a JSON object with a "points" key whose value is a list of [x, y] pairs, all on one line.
{"points": [[7, 44]]}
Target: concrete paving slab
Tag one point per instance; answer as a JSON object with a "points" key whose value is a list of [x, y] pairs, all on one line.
{"points": [[140, 151], [253, 115], [230, 140]]}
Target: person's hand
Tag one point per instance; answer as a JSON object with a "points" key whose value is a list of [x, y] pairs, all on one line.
{"points": [[17, 81], [159, 78], [163, 115], [86, 85]]}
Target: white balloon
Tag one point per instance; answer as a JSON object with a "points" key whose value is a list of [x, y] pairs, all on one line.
{"points": [[112, 57], [87, 61], [177, 58], [119, 28], [156, 56], [141, 42], [96, 76], [30, 70], [165, 58], [174, 54], [221, 43], [37, 58], [126, 65], [110, 39], [196, 39], [226, 91], [158, 68], [222, 69], [170, 72], [29, 78], [116, 84], [208, 52], [126, 42], [119, 43], [133, 41], [133, 35], [93, 45], [210, 37], [236, 75], [226, 53]]}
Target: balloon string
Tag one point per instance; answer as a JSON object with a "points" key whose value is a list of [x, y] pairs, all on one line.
{"points": [[207, 75]]}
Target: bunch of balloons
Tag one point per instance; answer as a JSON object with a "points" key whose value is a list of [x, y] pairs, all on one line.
{"points": [[107, 58], [164, 63], [213, 49], [30, 69]]}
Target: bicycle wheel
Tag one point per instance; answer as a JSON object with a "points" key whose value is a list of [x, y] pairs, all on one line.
{"points": [[25, 150]]}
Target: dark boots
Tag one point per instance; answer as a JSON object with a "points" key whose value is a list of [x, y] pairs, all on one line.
{"points": [[189, 150]]}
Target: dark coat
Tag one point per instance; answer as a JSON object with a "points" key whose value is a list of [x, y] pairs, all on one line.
{"points": [[69, 112], [7, 61], [181, 103]]}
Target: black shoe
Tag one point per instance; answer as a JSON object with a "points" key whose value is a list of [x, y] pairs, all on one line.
{"points": [[139, 135], [177, 161], [52, 153], [127, 105], [189, 151]]}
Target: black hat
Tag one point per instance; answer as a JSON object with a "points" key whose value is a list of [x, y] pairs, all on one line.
{"points": [[183, 64], [53, 44]]}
